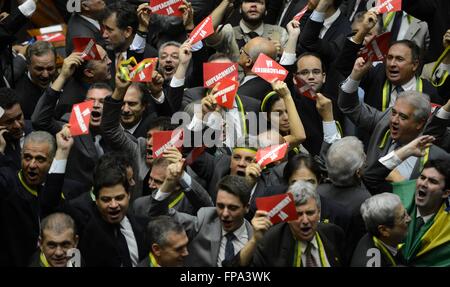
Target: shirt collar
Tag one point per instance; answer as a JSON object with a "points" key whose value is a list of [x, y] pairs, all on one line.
{"points": [[391, 249], [247, 78], [92, 21], [245, 29], [241, 232], [425, 218], [409, 86], [133, 128], [330, 20], [313, 241]]}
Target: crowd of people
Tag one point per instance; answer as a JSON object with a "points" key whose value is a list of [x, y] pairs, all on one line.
{"points": [[367, 165]]}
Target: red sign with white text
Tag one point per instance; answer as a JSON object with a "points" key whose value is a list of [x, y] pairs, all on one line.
{"points": [[214, 72], [87, 47], [268, 69], [79, 118], [281, 207], [271, 154], [300, 14], [304, 89], [226, 93], [165, 139], [385, 6], [203, 30], [377, 48], [143, 71], [166, 7], [52, 37]]}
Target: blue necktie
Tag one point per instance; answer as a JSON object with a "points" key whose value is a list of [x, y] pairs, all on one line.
{"points": [[229, 248]]}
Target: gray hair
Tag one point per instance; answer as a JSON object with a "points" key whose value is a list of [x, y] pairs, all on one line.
{"points": [[302, 191], [166, 44], [159, 227], [344, 158], [42, 137], [420, 102], [379, 210], [39, 48], [58, 222]]}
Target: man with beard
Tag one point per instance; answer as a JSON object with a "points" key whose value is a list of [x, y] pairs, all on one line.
{"points": [[41, 71], [394, 127], [87, 148], [13, 129], [86, 23], [215, 234], [426, 200], [231, 39]]}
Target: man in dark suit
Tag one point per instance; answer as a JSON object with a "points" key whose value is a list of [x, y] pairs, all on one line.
{"points": [[392, 128], [41, 71], [387, 222], [86, 23], [325, 30], [304, 242], [112, 237], [87, 148], [282, 12]]}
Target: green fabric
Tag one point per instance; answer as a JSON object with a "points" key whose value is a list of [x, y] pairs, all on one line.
{"points": [[406, 191]]}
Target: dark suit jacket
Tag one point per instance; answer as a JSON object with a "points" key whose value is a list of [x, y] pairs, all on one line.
{"points": [[277, 248], [362, 257], [28, 94], [440, 129], [74, 91], [98, 243], [436, 14], [13, 151], [80, 27], [274, 11]]}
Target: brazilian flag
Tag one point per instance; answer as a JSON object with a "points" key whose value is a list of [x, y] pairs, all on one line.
{"points": [[430, 246]]}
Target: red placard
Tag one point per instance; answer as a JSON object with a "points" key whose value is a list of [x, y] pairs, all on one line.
{"points": [[304, 89], [214, 72], [87, 47], [377, 48], [203, 30], [280, 207], [143, 71], [226, 93], [165, 139], [79, 118], [385, 6], [166, 7], [194, 154], [51, 37], [300, 14], [270, 154], [268, 69]]}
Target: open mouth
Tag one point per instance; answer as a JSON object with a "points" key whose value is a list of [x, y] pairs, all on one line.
{"points": [[227, 224], [95, 115], [240, 173], [305, 230], [32, 175], [394, 73], [169, 69], [421, 194], [114, 214]]}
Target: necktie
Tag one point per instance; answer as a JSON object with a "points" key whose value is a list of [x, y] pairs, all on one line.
{"points": [[98, 146], [229, 248], [419, 223], [252, 34], [122, 247], [399, 89], [310, 261], [396, 25]]}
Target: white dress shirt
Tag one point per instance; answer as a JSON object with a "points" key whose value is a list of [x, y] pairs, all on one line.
{"points": [[127, 231], [238, 243]]}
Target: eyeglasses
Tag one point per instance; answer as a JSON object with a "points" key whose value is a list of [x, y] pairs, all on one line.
{"points": [[243, 51], [306, 72]]}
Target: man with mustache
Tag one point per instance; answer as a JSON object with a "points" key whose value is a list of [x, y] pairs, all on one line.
{"points": [[87, 148], [426, 200], [388, 130]]}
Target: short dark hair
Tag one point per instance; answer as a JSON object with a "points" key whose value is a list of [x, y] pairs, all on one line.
{"points": [[236, 185], [126, 15], [217, 56], [158, 228], [313, 54], [100, 86], [443, 167], [161, 123], [295, 162], [39, 48], [144, 92], [8, 98], [111, 169], [415, 50]]}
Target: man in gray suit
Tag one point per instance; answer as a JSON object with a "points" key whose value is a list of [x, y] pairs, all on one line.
{"points": [[396, 126], [215, 234]]}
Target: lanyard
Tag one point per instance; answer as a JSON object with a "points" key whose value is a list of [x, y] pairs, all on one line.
{"points": [[440, 81], [176, 200], [298, 252], [383, 250], [44, 260], [152, 260], [424, 159], [387, 92], [390, 16], [242, 113], [29, 189]]}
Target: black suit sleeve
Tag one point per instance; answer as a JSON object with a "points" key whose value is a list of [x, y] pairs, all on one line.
{"points": [[374, 178]]}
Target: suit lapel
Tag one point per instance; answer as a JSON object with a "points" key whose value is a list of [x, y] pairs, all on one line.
{"points": [[216, 234], [412, 30]]}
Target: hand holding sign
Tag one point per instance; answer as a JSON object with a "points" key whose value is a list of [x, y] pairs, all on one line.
{"points": [[304, 89], [162, 140], [166, 7], [268, 69], [214, 72], [203, 30], [87, 47], [271, 154], [70, 64], [385, 6], [377, 48], [280, 208], [80, 117], [252, 172], [226, 93], [261, 223], [281, 89]]}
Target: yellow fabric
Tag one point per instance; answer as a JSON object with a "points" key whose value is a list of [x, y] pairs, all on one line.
{"points": [[176, 200], [44, 260], [438, 233], [29, 189], [153, 262]]}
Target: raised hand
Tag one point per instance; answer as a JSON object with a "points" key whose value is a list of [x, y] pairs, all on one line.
{"points": [[3, 131], [261, 224], [70, 64], [324, 107], [360, 68], [144, 13], [64, 142], [252, 172], [416, 147], [188, 15], [172, 154], [281, 88]]}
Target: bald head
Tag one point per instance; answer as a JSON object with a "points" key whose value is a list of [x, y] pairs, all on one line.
{"points": [[260, 45], [58, 223]]}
